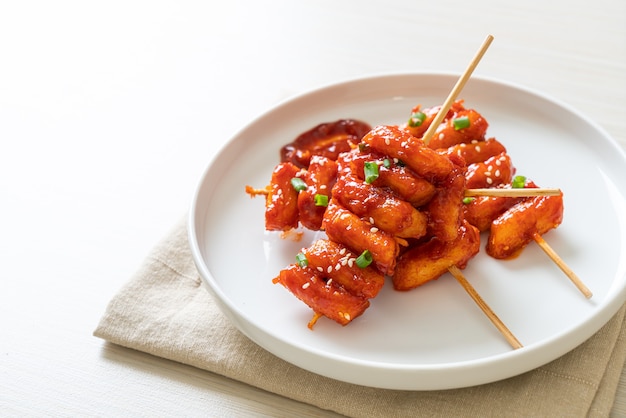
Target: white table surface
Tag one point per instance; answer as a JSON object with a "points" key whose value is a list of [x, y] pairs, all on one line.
{"points": [[110, 111]]}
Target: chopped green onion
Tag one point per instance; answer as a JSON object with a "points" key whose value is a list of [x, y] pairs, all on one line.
{"points": [[364, 260], [460, 123], [519, 182], [386, 163], [298, 184], [302, 260], [371, 171], [417, 119], [468, 200], [321, 200]]}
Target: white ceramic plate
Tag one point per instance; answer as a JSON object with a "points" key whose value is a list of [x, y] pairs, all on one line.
{"points": [[433, 337]]}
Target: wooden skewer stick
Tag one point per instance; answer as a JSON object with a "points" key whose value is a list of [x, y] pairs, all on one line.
{"points": [[454, 270], [458, 275], [456, 90], [494, 192], [561, 264], [521, 192]]}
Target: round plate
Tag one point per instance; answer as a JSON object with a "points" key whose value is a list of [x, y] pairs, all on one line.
{"points": [[433, 337]]}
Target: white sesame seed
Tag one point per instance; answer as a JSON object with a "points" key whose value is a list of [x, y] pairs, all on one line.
{"points": [[329, 281], [490, 168], [373, 229], [387, 141], [371, 220], [347, 316], [342, 251], [474, 141], [498, 163], [395, 160], [329, 269], [488, 173], [351, 262], [338, 266], [503, 158], [349, 227], [307, 284], [497, 173], [320, 269], [442, 135], [463, 145], [323, 187], [343, 262], [489, 180], [477, 148]]}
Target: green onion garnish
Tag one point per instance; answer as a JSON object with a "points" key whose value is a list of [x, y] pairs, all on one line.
{"points": [[364, 260], [298, 184], [321, 200], [468, 200], [460, 123], [371, 171], [519, 182], [386, 163], [417, 119], [302, 260]]}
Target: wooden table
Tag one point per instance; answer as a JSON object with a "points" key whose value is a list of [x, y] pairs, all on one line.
{"points": [[110, 111]]}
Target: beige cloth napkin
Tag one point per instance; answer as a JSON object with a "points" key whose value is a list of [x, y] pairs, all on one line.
{"points": [[164, 310]]}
